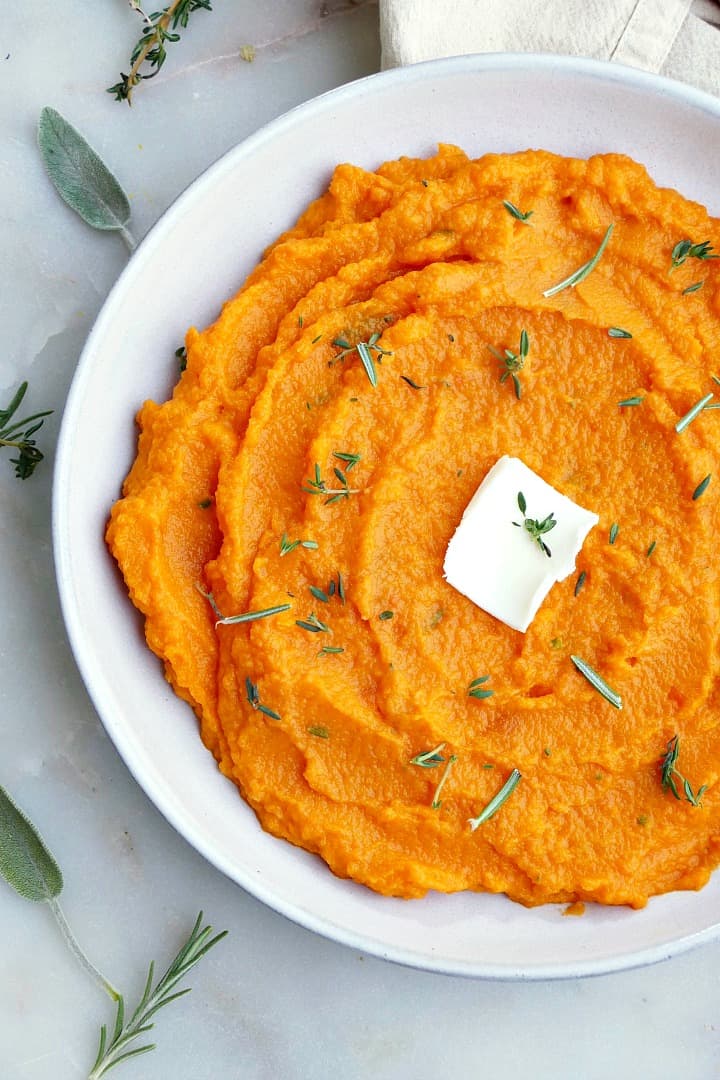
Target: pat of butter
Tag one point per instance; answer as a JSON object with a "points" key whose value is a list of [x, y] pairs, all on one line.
{"points": [[500, 567]]}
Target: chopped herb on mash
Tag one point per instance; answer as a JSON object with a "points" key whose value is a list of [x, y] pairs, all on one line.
{"points": [[496, 802], [582, 271], [513, 362], [437, 801], [685, 249], [475, 689], [429, 759], [670, 772], [518, 214], [254, 698], [597, 682]]}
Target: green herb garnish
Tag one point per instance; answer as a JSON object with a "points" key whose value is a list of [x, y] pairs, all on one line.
{"points": [[496, 802], [582, 272], [319, 594], [475, 688], [702, 487], [364, 349], [618, 332], [161, 29], [254, 698], [650, 550], [331, 649], [351, 460], [580, 581], [205, 504], [614, 530], [669, 773], [181, 354], [251, 616], [19, 435], [313, 625], [518, 214], [630, 401], [318, 486], [286, 546], [318, 731], [685, 249], [436, 800], [695, 287], [535, 528], [597, 682], [414, 385], [513, 362], [429, 759], [692, 413], [384, 615]]}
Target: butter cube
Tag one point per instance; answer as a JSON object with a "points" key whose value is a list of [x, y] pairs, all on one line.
{"points": [[499, 566]]}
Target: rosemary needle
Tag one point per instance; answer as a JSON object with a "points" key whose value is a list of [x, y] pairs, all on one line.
{"points": [[582, 271], [597, 682], [496, 802], [692, 413], [251, 616]]}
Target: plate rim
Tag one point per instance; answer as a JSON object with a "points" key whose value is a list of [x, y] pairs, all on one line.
{"points": [[474, 63]]}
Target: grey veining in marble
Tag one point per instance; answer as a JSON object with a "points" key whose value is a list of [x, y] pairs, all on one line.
{"points": [[274, 1002]]}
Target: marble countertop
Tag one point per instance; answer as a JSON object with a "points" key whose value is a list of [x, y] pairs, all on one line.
{"points": [[274, 1001]]}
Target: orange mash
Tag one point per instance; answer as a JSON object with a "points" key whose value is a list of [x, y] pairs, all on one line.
{"points": [[278, 475]]}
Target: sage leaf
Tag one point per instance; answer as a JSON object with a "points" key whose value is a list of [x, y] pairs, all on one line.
{"points": [[79, 176], [25, 861]]}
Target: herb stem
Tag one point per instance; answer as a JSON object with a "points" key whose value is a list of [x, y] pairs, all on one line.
{"points": [[75, 949], [130, 241]]}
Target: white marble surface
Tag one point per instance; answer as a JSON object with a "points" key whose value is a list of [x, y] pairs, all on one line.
{"points": [[273, 1001]]}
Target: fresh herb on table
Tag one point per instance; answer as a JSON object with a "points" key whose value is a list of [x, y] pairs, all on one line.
{"points": [[161, 29], [19, 435], [692, 413], [582, 271], [702, 487], [512, 362], [436, 800], [518, 214], [685, 249], [254, 699], [597, 682], [535, 528], [317, 486], [476, 689], [365, 350], [670, 773], [29, 867], [497, 801], [618, 332], [286, 546], [81, 177], [429, 759]]}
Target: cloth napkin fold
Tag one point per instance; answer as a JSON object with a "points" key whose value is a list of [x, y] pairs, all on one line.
{"points": [[678, 38]]}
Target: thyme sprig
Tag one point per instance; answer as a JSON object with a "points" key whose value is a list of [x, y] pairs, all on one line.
{"points": [[512, 362], [254, 698], [286, 546], [19, 435], [161, 29], [365, 350], [496, 802], [534, 527], [154, 998], [518, 214], [669, 773], [685, 249], [582, 271], [313, 625], [318, 486]]}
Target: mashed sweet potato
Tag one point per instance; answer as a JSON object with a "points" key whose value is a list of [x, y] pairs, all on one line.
{"points": [[317, 711]]}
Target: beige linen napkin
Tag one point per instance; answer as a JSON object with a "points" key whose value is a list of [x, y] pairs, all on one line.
{"points": [[679, 38]]}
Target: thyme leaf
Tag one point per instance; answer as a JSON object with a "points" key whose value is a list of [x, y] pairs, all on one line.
{"points": [[702, 487], [614, 530], [497, 801], [582, 271], [286, 546], [512, 362], [318, 731], [254, 698], [313, 625], [476, 690], [534, 527], [518, 214], [695, 287], [580, 581]]}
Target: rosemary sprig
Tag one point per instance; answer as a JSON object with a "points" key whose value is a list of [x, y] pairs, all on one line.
{"points": [[692, 413], [513, 362], [669, 772], [518, 214], [313, 625], [496, 802], [475, 689], [429, 759], [582, 271], [248, 616], [618, 332], [436, 800], [19, 435], [534, 527], [286, 546], [685, 249], [254, 698], [318, 486], [161, 29], [365, 350], [154, 998], [597, 682]]}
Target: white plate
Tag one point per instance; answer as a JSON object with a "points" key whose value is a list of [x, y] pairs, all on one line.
{"points": [[194, 258]]}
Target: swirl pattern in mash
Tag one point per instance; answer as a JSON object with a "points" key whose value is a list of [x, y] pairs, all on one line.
{"points": [[424, 254]]}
